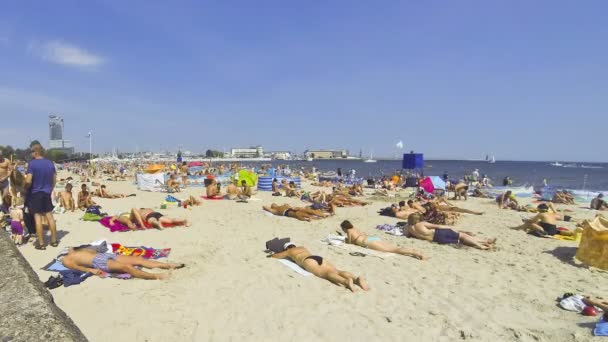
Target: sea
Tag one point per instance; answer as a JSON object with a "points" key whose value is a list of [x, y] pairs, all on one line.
{"points": [[579, 177]]}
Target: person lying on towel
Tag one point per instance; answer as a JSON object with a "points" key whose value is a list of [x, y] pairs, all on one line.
{"points": [[320, 267], [443, 235], [545, 223], [155, 219], [88, 260], [356, 237], [302, 214]]}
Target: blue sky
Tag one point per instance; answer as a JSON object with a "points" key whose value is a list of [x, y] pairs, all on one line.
{"points": [[523, 80]]}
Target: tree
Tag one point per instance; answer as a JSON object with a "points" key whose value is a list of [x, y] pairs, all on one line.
{"points": [[213, 154], [56, 155]]}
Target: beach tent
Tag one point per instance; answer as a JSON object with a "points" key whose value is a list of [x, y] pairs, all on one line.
{"points": [[249, 177], [432, 183], [593, 248], [195, 163], [150, 181]]}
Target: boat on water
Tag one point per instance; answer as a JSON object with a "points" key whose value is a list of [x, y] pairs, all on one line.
{"points": [[371, 158], [556, 164], [490, 160]]}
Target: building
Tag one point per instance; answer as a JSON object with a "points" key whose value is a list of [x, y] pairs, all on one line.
{"points": [[279, 155], [326, 154], [56, 141], [252, 152]]}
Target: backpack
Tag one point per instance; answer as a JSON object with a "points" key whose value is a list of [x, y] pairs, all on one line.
{"points": [[94, 209]]}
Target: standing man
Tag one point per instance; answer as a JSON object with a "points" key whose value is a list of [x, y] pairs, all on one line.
{"points": [[5, 171], [40, 180]]}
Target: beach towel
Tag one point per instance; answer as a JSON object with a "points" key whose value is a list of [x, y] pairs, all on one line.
{"points": [[293, 266], [601, 328], [145, 252], [119, 227], [213, 198], [390, 229], [91, 217]]}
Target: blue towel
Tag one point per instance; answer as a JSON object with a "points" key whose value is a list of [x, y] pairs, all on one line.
{"points": [[72, 277], [601, 328]]}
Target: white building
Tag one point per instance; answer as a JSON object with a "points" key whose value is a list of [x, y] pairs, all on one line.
{"points": [[252, 152], [326, 154]]}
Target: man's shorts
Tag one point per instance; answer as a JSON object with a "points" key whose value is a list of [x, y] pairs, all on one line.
{"points": [[40, 203]]}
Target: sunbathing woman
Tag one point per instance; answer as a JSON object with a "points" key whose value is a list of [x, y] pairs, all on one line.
{"points": [[302, 214], [443, 235], [155, 219], [356, 237], [88, 260], [320, 267]]}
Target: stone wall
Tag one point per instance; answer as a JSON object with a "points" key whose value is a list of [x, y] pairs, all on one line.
{"points": [[27, 310]]}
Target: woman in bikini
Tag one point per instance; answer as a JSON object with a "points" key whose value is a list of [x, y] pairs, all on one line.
{"points": [[156, 219], [320, 267], [356, 237], [302, 214]]}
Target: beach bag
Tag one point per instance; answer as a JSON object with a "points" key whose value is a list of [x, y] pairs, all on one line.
{"points": [[276, 244], [94, 209]]}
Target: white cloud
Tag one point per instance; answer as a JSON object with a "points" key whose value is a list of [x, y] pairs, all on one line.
{"points": [[57, 51]]}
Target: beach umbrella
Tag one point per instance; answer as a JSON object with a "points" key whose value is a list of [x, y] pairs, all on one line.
{"points": [[195, 163], [432, 183]]}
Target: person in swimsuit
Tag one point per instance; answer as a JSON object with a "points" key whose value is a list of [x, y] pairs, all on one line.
{"points": [[443, 235], [598, 203], [356, 237], [172, 183], [545, 223], [88, 260], [507, 201], [232, 191], [320, 267], [460, 190], [213, 189], [66, 200], [156, 219], [5, 172], [302, 214], [17, 224], [415, 205]]}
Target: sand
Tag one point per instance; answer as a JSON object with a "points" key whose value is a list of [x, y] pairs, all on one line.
{"points": [[231, 291]]}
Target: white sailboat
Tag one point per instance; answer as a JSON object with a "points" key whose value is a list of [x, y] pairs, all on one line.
{"points": [[371, 158], [557, 164], [490, 160]]}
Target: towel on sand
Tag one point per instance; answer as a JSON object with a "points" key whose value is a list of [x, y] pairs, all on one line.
{"points": [[295, 267], [119, 227], [601, 328]]}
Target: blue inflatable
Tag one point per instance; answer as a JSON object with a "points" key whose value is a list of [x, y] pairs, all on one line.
{"points": [[265, 182]]}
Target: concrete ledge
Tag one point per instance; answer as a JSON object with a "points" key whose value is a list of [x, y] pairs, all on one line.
{"points": [[27, 310]]}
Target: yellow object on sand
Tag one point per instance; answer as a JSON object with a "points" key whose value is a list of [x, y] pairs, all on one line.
{"points": [[154, 168], [173, 167], [593, 248]]}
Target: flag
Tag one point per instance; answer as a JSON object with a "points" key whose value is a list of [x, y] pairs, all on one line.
{"points": [[399, 144]]}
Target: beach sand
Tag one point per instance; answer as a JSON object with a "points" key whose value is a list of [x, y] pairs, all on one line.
{"points": [[231, 291]]}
